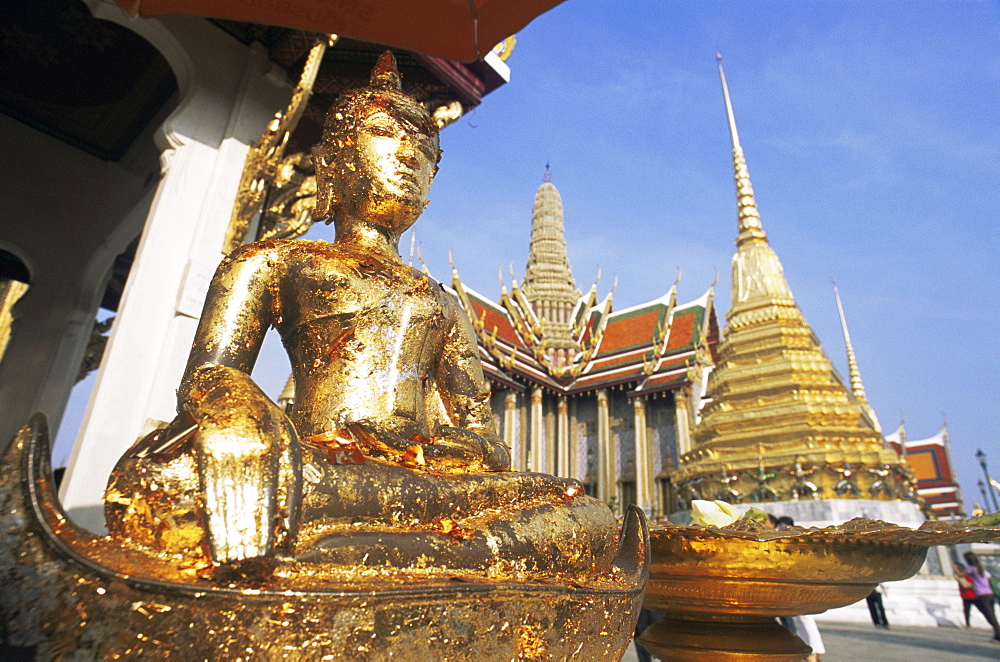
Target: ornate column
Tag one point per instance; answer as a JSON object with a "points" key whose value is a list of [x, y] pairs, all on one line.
{"points": [[574, 440], [607, 485], [563, 438], [550, 441], [510, 426], [643, 459], [537, 461], [682, 419], [523, 430]]}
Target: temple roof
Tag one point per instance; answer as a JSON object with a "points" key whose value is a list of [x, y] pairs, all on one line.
{"points": [[653, 347], [930, 461]]}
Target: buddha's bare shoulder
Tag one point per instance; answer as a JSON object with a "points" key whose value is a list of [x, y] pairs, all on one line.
{"points": [[283, 253]]}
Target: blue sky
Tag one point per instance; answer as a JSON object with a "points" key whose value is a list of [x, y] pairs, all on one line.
{"points": [[871, 136]]}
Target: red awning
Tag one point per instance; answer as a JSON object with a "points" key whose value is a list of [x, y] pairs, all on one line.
{"points": [[462, 30]]}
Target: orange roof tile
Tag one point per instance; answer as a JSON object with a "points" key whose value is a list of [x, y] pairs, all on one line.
{"points": [[630, 330], [682, 330]]}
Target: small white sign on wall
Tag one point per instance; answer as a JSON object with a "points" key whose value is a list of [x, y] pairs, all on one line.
{"points": [[191, 299]]}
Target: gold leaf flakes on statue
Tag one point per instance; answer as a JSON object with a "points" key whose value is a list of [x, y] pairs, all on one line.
{"points": [[338, 447], [414, 456]]}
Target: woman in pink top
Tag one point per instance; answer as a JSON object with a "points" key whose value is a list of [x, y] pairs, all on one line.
{"points": [[984, 592]]}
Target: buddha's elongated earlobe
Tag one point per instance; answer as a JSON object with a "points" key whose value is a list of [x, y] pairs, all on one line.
{"points": [[326, 203], [327, 199]]}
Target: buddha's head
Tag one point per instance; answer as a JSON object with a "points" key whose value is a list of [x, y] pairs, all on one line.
{"points": [[378, 155]]}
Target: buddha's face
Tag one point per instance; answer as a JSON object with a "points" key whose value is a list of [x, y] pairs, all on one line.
{"points": [[386, 163]]}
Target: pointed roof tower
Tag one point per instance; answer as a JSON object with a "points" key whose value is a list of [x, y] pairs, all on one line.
{"points": [[857, 388], [548, 280], [776, 404], [757, 273]]}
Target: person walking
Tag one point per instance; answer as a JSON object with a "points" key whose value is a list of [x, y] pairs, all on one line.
{"points": [[965, 592], [984, 592], [808, 631], [876, 608], [804, 626]]}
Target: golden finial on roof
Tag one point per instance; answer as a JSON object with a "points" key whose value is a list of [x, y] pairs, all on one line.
{"points": [[420, 259]]}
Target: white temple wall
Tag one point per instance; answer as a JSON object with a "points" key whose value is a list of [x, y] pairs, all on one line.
{"points": [[919, 601], [66, 215], [228, 93]]}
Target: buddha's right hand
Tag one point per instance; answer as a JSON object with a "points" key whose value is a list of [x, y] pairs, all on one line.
{"points": [[241, 441]]}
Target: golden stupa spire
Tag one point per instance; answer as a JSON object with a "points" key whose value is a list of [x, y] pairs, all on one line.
{"points": [[548, 280], [750, 227], [857, 387], [758, 276]]}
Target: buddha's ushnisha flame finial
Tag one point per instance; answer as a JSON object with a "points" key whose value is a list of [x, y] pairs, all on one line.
{"points": [[385, 75], [749, 217]]}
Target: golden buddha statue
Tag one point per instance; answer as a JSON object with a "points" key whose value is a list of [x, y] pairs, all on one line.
{"points": [[389, 453], [377, 517]]}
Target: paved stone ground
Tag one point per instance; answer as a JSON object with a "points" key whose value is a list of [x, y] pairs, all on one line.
{"points": [[856, 643], [850, 642]]}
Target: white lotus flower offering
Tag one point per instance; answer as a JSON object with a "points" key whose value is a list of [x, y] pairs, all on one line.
{"points": [[714, 513]]}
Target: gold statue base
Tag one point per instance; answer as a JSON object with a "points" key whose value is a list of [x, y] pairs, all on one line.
{"points": [[67, 592], [756, 638]]}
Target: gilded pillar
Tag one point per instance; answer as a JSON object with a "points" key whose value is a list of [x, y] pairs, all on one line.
{"points": [[510, 430], [536, 463], [607, 485], [523, 431], [563, 467], [643, 459], [572, 434], [682, 419], [550, 441]]}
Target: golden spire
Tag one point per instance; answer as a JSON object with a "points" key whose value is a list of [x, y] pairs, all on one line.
{"points": [[857, 388], [548, 280], [750, 227], [758, 277]]}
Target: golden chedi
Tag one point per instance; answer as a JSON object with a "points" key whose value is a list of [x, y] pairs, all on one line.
{"points": [[384, 494], [780, 424]]}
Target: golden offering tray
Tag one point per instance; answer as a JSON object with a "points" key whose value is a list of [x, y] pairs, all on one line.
{"points": [[723, 588]]}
